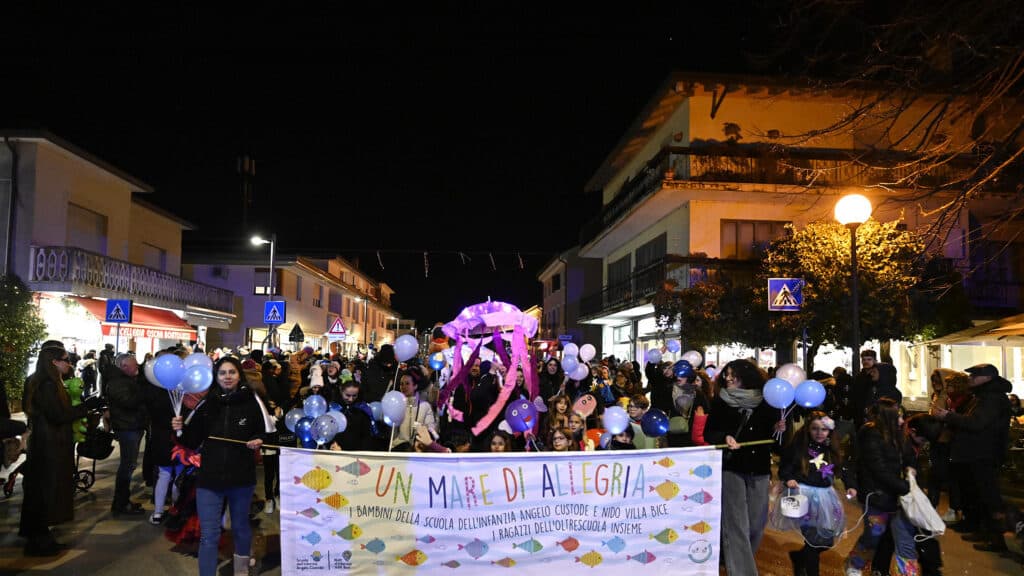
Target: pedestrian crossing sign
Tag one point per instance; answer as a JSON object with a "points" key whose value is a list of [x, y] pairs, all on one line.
{"points": [[119, 311], [274, 312], [785, 294]]}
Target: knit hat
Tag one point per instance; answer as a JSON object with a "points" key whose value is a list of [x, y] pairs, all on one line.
{"points": [[250, 364]]}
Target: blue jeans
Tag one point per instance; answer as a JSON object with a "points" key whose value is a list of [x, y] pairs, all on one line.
{"points": [[210, 506], [128, 442]]}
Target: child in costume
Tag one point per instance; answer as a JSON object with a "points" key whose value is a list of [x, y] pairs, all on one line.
{"points": [[809, 465]]}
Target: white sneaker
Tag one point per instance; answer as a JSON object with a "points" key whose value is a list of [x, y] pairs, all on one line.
{"points": [[268, 506], [949, 516], [850, 571]]}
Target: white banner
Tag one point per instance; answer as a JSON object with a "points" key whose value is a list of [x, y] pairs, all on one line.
{"points": [[581, 513]]}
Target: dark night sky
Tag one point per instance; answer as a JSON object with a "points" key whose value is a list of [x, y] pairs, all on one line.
{"points": [[431, 128]]}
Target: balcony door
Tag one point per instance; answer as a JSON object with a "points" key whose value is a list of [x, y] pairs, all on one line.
{"points": [[86, 229]]}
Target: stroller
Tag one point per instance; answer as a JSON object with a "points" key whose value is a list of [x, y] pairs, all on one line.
{"points": [[97, 445]]}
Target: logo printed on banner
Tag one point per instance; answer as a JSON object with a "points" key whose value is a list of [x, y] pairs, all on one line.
{"points": [[534, 512]]}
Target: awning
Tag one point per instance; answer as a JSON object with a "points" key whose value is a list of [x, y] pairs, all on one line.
{"points": [[1008, 331], [146, 322]]}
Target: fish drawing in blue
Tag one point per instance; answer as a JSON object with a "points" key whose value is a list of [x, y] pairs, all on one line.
{"points": [[376, 546], [476, 548], [616, 544], [702, 471], [702, 497], [313, 538]]}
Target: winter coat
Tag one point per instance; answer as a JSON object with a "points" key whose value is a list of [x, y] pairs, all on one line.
{"points": [[236, 415], [791, 468], [550, 383], [724, 420], [376, 379], [982, 426], [127, 400], [162, 437], [880, 467], [886, 385], [50, 468], [358, 434]]}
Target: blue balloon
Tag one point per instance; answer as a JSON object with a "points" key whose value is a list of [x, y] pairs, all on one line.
{"points": [[778, 393], [674, 346], [653, 356], [304, 429], [393, 406], [292, 418], [810, 394], [169, 371], [377, 410], [197, 379], [521, 415], [654, 423], [311, 443], [334, 407], [683, 369], [314, 406], [570, 364], [606, 439], [437, 360]]}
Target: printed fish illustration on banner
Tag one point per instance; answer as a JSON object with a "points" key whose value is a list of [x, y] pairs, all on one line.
{"points": [[534, 514]]}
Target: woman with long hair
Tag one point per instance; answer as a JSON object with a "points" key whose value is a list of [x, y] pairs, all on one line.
{"points": [[552, 379], [233, 416], [49, 471], [884, 461], [740, 415]]}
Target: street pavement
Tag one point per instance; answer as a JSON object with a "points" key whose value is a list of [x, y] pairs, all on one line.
{"points": [[102, 545]]}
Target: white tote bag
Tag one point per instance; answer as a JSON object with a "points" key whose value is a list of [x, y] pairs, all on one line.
{"points": [[919, 510]]}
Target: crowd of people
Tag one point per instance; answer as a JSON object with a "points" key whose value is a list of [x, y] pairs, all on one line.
{"points": [[858, 435]]}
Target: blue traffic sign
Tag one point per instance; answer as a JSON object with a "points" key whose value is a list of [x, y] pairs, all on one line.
{"points": [[274, 312], [785, 294], [119, 311]]}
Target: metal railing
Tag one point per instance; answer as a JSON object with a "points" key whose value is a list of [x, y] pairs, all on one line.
{"points": [[69, 269], [640, 287], [679, 165]]}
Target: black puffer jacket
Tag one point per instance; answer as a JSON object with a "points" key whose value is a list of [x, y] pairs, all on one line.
{"points": [[127, 400], [880, 467], [724, 420], [981, 429], [237, 416]]}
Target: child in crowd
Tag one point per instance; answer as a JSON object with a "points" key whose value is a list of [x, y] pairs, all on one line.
{"points": [[809, 465]]}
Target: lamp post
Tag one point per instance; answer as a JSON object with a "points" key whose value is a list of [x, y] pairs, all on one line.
{"points": [[851, 211], [257, 241], [366, 324]]}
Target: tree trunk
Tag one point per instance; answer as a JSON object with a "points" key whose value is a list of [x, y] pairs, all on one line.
{"points": [[812, 351], [884, 354]]}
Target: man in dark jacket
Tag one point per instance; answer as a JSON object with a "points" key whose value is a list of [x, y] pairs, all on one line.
{"points": [[980, 435], [128, 419], [379, 374]]}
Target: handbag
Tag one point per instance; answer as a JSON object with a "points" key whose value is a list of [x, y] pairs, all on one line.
{"points": [[919, 510]]}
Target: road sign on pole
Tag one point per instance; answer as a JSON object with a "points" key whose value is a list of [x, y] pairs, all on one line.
{"points": [[119, 311], [275, 312], [338, 330], [785, 294], [296, 335]]}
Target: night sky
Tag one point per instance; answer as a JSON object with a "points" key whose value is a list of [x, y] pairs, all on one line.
{"points": [[431, 128]]}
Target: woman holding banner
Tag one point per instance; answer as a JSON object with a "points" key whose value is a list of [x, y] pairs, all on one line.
{"points": [[229, 426], [739, 415]]}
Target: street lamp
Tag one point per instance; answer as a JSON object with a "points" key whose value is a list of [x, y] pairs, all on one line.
{"points": [[851, 211], [257, 241], [366, 324]]}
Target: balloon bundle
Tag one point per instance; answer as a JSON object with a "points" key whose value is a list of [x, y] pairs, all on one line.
{"points": [[571, 360], [791, 388], [192, 375], [314, 424]]}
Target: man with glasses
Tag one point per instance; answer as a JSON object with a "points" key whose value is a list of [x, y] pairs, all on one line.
{"points": [[128, 419]]}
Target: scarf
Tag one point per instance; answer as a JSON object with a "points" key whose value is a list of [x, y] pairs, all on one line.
{"points": [[741, 397]]}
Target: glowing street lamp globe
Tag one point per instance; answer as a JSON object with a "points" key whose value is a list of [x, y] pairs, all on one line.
{"points": [[853, 209]]}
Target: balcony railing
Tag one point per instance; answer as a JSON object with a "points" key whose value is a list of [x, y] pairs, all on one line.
{"points": [[640, 287], [68, 269], [680, 165]]}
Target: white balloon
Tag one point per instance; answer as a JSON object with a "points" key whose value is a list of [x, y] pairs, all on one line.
{"points": [[582, 371], [587, 352], [393, 406], [791, 373], [150, 376], [570, 349], [694, 358], [406, 347]]}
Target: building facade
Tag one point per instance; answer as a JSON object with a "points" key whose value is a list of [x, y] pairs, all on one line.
{"points": [[78, 231], [317, 292], [705, 178], [564, 279]]}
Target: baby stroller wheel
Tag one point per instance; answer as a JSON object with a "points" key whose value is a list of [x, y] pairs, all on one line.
{"points": [[85, 479]]}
